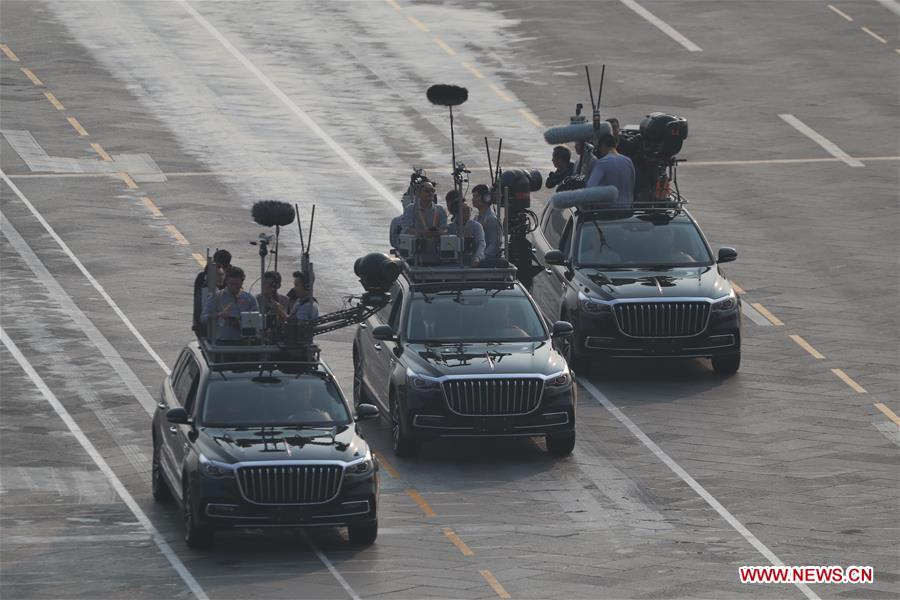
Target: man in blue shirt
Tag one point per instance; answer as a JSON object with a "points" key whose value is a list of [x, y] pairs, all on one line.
{"points": [[613, 169], [223, 309], [493, 231]]}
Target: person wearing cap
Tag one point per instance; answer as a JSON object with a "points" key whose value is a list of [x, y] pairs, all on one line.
{"points": [[493, 230], [470, 229], [562, 160]]}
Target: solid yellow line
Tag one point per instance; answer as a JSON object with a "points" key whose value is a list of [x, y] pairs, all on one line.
{"points": [[531, 118], [9, 53], [472, 70], [840, 12], [74, 123], [764, 312], [418, 24], [737, 289], [387, 466], [34, 79], [500, 93], [418, 499], [444, 46], [128, 180], [807, 346], [457, 541], [888, 412], [394, 5], [492, 581], [874, 35], [201, 260], [158, 213], [177, 235], [99, 150], [54, 101], [849, 381]]}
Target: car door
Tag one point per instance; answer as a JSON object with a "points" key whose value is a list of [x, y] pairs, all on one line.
{"points": [[550, 285], [168, 400], [376, 362], [180, 437]]}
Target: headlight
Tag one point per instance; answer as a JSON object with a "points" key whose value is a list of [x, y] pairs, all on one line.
{"points": [[421, 384], [729, 302], [561, 380], [590, 305], [363, 467], [214, 468]]}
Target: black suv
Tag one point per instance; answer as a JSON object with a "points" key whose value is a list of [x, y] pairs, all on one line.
{"points": [[464, 358], [261, 444], [637, 283]]}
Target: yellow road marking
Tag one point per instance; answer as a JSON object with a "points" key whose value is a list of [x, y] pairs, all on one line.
{"points": [[531, 118], [387, 466], [492, 581], [444, 46], [874, 35], [201, 260], [418, 499], [128, 180], [177, 235], [158, 213], [9, 53], [418, 24], [469, 67], [74, 123], [849, 381], [737, 289], [458, 542], [99, 150], [394, 5], [764, 312], [806, 346], [840, 12], [888, 412], [500, 93], [54, 101], [34, 78]]}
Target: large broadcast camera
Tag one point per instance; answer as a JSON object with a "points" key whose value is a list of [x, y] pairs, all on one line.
{"points": [[512, 192]]}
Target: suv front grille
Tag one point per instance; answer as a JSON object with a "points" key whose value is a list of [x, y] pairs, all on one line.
{"points": [[290, 484], [662, 319], [493, 397]]}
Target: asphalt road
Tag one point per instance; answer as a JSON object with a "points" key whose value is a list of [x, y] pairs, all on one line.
{"points": [[138, 134]]}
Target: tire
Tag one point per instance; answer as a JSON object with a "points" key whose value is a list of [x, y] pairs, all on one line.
{"points": [[561, 444], [401, 443], [727, 364], [158, 485], [363, 534], [195, 536], [359, 390]]}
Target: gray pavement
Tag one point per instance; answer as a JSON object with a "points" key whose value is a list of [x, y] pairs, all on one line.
{"points": [[793, 453]]}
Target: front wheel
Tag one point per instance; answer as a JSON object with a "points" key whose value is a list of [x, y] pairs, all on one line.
{"points": [[727, 364], [195, 536], [363, 534], [403, 445], [561, 444]]}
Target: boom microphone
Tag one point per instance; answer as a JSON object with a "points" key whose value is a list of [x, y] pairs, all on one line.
{"points": [[270, 213], [447, 95], [604, 194], [583, 132]]}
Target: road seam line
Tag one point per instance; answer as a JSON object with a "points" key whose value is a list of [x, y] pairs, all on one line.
{"points": [[422, 504], [807, 346], [30, 75], [888, 412], [457, 541], [765, 312], [849, 381], [820, 139], [662, 25], [495, 585], [330, 566], [81, 130]]}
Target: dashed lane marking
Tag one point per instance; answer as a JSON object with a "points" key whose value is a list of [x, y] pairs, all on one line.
{"points": [[495, 585], [387, 466], [101, 152], [54, 101], [737, 289], [500, 92], [849, 381], [128, 180], [104, 467], [531, 118], [154, 209], [201, 260], [874, 35], [888, 412], [690, 481], [443, 46], [471, 69], [179, 237], [457, 541], [9, 53], [764, 312], [419, 24], [755, 316], [662, 25], [807, 346], [820, 139], [394, 5], [30, 75], [420, 501], [77, 126], [840, 12]]}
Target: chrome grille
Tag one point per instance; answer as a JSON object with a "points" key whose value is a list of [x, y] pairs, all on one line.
{"points": [[290, 484], [662, 319], [493, 397]]}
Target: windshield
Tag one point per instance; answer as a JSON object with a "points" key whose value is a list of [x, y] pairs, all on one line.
{"points": [[640, 244], [278, 400], [473, 316]]}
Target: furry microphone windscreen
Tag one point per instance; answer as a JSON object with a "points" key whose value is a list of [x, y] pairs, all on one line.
{"points": [[272, 212], [604, 194], [447, 95], [583, 132]]}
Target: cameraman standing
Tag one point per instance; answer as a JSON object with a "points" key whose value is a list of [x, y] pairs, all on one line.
{"points": [[562, 160], [613, 169]]}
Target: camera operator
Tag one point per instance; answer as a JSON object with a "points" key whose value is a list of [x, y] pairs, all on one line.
{"points": [[613, 169], [614, 124], [562, 160], [226, 306], [586, 159], [222, 259], [470, 230], [272, 305], [303, 306], [493, 230]]}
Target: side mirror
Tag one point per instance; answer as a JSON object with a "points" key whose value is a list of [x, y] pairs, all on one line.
{"points": [[384, 333], [367, 412], [178, 416], [556, 257], [562, 329], [727, 255]]}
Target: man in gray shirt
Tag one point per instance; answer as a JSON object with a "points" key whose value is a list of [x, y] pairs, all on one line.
{"points": [[223, 310], [303, 306], [493, 230], [613, 169], [470, 230]]}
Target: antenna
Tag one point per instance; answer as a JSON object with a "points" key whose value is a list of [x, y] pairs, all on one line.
{"points": [[487, 149]]}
